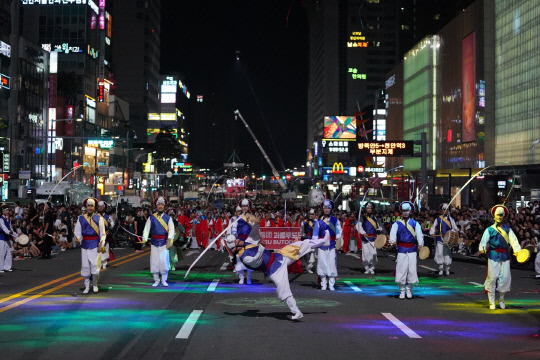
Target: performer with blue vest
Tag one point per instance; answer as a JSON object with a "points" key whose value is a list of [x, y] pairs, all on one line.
{"points": [[496, 242], [6, 233], [306, 232], [368, 226], [90, 233], [160, 229], [242, 230], [109, 224], [326, 255], [439, 228], [407, 233], [274, 264]]}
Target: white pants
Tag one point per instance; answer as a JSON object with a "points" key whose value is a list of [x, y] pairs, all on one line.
{"points": [[327, 263], [498, 276], [159, 260], [281, 278], [406, 268], [6, 258], [443, 255], [369, 254], [89, 262]]}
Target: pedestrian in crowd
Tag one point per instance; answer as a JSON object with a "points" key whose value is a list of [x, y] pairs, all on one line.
{"points": [[90, 233], [496, 242], [407, 234], [159, 229]]}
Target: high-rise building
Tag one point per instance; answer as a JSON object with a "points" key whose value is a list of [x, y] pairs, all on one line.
{"points": [[136, 57]]}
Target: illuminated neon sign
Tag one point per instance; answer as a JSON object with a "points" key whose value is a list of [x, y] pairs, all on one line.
{"points": [[385, 148], [100, 143]]}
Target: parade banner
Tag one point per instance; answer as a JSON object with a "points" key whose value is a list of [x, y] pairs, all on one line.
{"points": [[278, 237]]}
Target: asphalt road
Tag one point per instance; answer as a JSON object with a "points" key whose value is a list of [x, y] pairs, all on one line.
{"points": [[44, 315]]}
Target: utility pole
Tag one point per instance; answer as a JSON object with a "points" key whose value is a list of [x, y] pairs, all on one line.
{"points": [[423, 158]]}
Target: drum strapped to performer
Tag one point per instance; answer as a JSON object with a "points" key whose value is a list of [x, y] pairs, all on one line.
{"points": [[380, 241], [451, 239], [22, 239]]}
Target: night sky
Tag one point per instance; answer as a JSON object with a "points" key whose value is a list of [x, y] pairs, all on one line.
{"points": [[268, 84]]}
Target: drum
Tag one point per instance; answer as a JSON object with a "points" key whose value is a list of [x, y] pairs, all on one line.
{"points": [[451, 239], [380, 241], [523, 255], [22, 239], [423, 254]]}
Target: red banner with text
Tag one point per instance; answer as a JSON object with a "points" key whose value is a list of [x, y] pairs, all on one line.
{"points": [[278, 237]]}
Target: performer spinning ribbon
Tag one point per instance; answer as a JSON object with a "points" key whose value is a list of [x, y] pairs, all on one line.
{"points": [[368, 226], [496, 242], [274, 264], [443, 253], [326, 255], [160, 228], [408, 235], [90, 233]]}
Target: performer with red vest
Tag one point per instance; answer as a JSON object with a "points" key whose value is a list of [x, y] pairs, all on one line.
{"points": [[496, 242], [327, 260], [443, 254], [90, 233], [407, 233], [160, 229], [274, 264]]}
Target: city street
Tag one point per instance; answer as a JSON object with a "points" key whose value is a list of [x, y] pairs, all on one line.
{"points": [[44, 315]]}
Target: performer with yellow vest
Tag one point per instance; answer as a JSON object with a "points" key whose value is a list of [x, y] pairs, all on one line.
{"points": [[407, 233], [368, 226], [247, 224], [496, 242], [443, 254], [160, 228], [90, 233]]}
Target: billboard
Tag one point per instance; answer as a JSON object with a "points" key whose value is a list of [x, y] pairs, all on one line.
{"points": [[235, 183], [385, 148], [468, 88], [339, 127], [277, 237]]}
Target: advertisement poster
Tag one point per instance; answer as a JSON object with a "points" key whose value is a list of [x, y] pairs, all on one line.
{"points": [[468, 88]]}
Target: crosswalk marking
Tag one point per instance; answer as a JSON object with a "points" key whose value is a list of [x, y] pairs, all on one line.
{"points": [[189, 324], [401, 326], [427, 267], [224, 266], [476, 284], [213, 285], [354, 287]]}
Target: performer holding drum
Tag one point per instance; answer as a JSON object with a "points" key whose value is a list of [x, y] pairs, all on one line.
{"points": [[369, 227], [446, 233], [307, 233], [241, 230], [496, 243], [327, 261], [407, 233]]}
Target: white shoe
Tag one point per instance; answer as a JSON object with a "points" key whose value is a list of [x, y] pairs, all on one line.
{"points": [[440, 272], [402, 295], [323, 287], [331, 288], [156, 283], [311, 272], [492, 306], [502, 305], [372, 271], [537, 276], [241, 281], [95, 289], [249, 282], [409, 294], [164, 283], [86, 290], [104, 266], [297, 316], [367, 271], [447, 273]]}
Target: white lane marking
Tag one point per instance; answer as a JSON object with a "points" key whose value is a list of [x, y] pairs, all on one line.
{"points": [[353, 255], [213, 285], [189, 324], [427, 267], [354, 287], [224, 266], [401, 326], [476, 284]]}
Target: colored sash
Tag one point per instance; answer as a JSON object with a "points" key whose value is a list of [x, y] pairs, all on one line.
{"points": [[409, 227], [374, 223], [330, 225], [92, 224], [502, 232], [158, 218]]}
